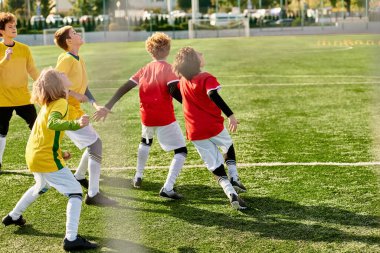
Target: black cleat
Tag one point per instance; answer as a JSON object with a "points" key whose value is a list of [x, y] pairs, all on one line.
{"points": [[83, 182], [237, 203], [99, 200], [137, 182], [238, 185], [78, 244], [7, 220], [170, 194]]}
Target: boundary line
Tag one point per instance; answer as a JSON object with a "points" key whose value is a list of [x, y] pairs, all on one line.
{"points": [[247, 165]]}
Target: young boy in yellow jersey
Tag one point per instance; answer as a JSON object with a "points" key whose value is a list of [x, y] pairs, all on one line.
{"points": [[16, 63], [74, 67], [44, 156]]}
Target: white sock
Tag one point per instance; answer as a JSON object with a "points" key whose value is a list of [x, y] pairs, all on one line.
{"points": [[227, 187], [73, 210], [80, 173], [232, 171], [174, 170], [142, 157], [94, 176], [3, 140], [26, 200]]}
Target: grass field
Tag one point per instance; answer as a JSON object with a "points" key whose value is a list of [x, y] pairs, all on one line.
{"points": [[297, 99]]}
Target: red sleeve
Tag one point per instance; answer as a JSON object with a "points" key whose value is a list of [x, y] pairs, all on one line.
{"points": [[171, 76], [211, 83], [136, 77]]}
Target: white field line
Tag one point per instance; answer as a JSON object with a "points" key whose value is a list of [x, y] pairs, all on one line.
{"points": [[249, 165], [271, 84]]}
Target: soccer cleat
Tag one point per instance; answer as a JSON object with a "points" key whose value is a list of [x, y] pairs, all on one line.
{"points": [[7, 220], [78, 244], [137, 182], [99, 200], [238, 186], [237, 203], [83, 182], [170, 194]]}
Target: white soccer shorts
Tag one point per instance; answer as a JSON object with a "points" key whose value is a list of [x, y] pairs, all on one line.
{"points": [[62, 180], [170, 136], [209, 151], [83, 137]]}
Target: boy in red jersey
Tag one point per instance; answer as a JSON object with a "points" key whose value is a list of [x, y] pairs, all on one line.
{"points": [[156, 110], [202, 108]]}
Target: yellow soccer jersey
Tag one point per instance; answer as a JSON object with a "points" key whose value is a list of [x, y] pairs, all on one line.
{"points": [[14, 75], [43, 152], [75, 69]]}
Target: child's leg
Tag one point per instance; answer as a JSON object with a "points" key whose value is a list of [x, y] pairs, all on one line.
{"points": [[73, 210], [28, 113], [142, 156], [30, 196], [5, 117], [230, 159], [94, 162], [80, 173], [170, 138], [175, 167]]}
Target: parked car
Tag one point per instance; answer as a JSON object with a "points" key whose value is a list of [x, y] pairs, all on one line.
{"points": [[37, 18], [68, 20], [102, 19], [284, 22], [86, 18], [54, 19]]}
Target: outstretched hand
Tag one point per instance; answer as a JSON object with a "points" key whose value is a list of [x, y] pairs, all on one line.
{"points": [[232, 123], [101, 113]]}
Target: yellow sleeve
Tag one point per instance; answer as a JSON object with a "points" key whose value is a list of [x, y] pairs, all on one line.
{"points": [[60, 106], [31, 67]]}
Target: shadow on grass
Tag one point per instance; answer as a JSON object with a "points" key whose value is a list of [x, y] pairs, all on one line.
{"points": [[22, 173], [269, 217], [106, 244]]}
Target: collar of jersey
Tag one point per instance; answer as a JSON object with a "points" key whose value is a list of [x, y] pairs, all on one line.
{"points": [[75, 56]]}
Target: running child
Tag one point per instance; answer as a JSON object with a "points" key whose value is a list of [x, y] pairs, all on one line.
{"points": [[74, 67], [156, 109], [45, 159], [202, 107], [16, 63]]}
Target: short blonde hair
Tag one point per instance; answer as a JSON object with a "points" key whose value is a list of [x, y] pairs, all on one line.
{"points": [[187, 63], [158, 45], [5, 18], [48, 87], [61, 35]]}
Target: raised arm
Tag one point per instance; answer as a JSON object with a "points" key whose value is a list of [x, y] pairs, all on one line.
{"points": [[102, 114]]}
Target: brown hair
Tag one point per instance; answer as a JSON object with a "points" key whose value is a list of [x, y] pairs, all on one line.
{"points": [[5, 18], [187, 63], [48, 87], [158, 45], [61, 35]]}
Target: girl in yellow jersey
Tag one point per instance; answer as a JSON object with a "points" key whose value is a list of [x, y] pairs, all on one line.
{"points": [[44, 156], [16, 63], [74, 67]]}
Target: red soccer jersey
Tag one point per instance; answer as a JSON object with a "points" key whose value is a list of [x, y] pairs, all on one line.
{"points": [[156, 107], [203, 118]]}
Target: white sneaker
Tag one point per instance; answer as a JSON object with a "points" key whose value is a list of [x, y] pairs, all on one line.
{"points": [[237, 203]]}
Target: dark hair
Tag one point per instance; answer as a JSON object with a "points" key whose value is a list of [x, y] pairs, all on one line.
{"points": [[61, 35], [187, 63], [5, 18]]}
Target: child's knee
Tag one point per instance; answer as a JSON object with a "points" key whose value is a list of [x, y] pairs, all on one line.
{"points": [[95, 150], [75, 195], [182, 151]]}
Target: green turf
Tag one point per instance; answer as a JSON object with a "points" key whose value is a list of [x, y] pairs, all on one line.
{"points": [[296, 100]]}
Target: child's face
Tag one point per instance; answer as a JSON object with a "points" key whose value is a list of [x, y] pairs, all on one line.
{"points": [[75, 39], [10, 30], [201, 59]]}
